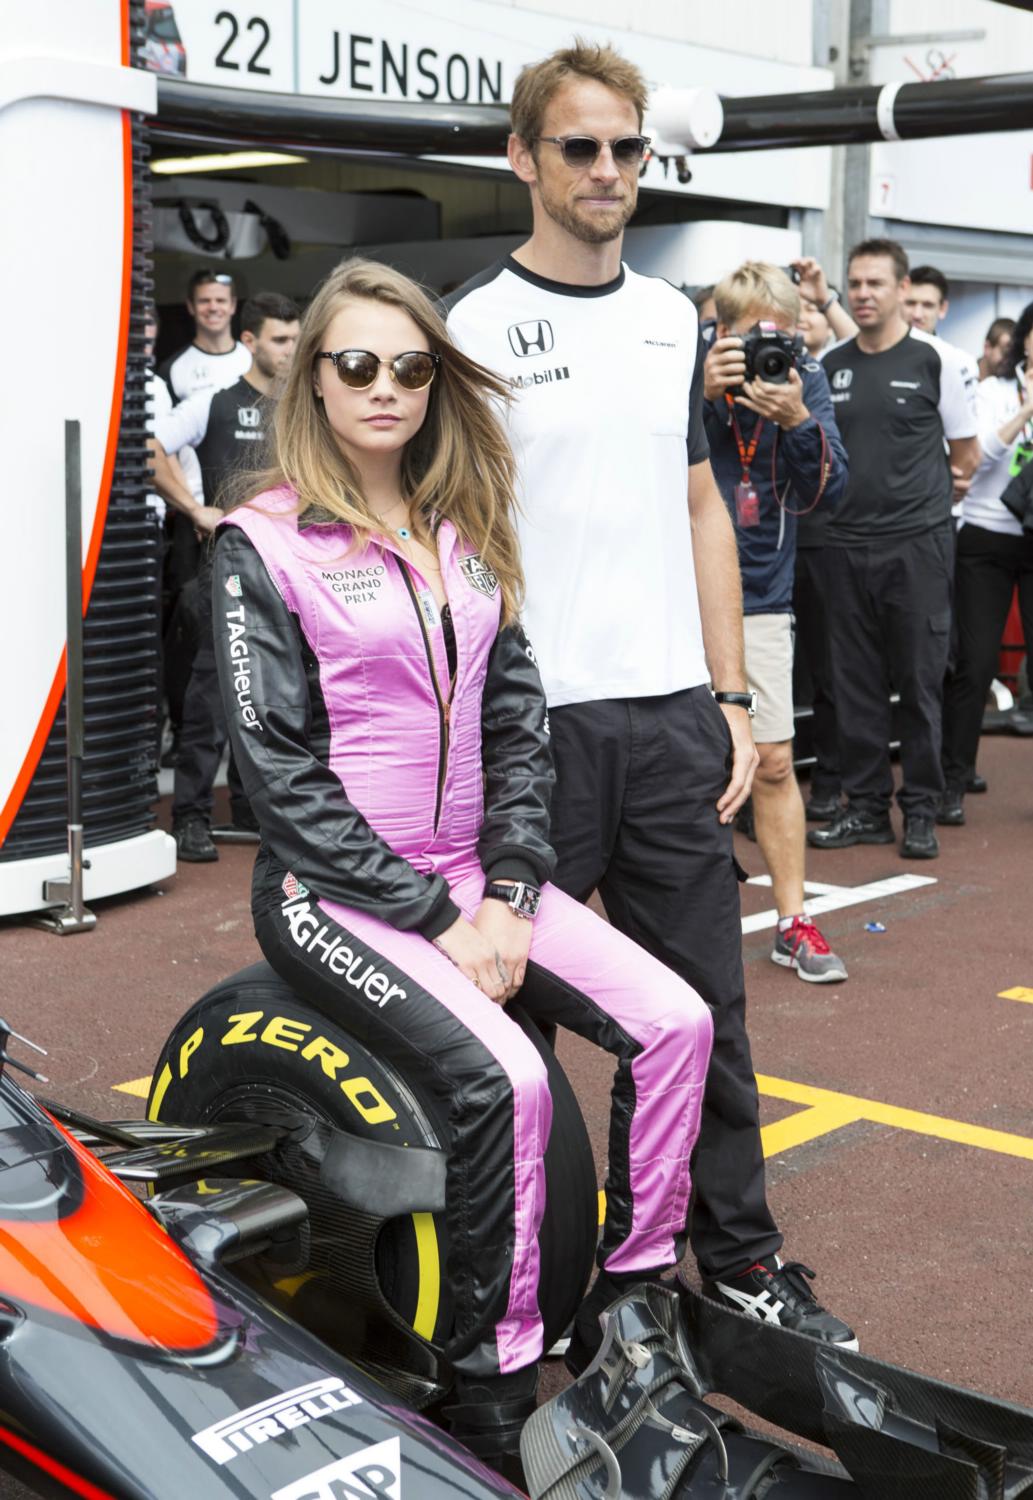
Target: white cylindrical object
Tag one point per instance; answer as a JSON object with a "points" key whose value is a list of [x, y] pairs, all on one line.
{"points": [[682, 120]]}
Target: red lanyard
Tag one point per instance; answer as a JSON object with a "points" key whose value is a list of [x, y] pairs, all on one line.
{"points": [[746, 454]]}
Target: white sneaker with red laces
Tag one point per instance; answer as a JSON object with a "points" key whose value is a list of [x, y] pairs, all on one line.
{"points": [[800, 946]]}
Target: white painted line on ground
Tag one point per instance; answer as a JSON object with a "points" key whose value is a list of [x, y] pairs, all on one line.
{"points": [[842, 896], [811, 887]]}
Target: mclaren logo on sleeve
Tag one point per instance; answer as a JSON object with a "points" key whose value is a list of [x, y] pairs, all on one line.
{"points": [[479, 576], [531, 338], [375, 1473], [274, 1418]]}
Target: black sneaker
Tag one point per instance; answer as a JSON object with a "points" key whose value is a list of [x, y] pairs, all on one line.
{"points": [[853, 827], [919, 839], [823, 809], [193, 840], [775, 1293], [951, 811], [976, 783]]}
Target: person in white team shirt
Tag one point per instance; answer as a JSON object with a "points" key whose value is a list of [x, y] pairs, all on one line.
{"points": [[213, 359], [995, 555], [634, 606]]}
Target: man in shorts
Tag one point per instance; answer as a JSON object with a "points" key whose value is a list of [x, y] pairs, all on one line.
{"points": [[776, 452]]}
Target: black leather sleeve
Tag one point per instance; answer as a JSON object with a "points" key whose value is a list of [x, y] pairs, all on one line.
{"points": [[519, 777], [302, 809]]}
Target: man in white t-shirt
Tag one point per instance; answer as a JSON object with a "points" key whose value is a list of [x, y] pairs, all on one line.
{"points": [[634, 607], [213, 359]]}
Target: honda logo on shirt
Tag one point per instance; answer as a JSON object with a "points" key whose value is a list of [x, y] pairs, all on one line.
{"points": [[531, 338], [841, 380], [248, 416]]}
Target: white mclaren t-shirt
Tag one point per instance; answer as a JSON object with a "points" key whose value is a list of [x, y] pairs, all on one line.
{"points": [[605, 421]]}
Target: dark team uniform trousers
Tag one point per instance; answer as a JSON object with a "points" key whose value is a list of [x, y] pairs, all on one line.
{"points": [[889, 628], [813, 661], [203, 735], [989, 565], [634, 816]]}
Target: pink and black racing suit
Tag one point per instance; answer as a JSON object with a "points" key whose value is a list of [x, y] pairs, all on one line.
{"points": [[386, 792]]}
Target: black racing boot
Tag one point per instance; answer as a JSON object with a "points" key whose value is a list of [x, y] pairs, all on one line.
{"points": [[976, 783], [823, 807], [587, 1336], [487, 1415]]}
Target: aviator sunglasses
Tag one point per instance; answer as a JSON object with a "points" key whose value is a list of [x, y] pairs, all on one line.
{"points": [[582, 150], [358, 368]]}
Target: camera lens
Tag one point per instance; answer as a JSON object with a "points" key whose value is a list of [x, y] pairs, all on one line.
{"points": [[773, 365]]}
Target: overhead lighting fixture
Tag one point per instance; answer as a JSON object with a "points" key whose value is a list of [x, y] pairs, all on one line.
{"points": [[225, 162]]}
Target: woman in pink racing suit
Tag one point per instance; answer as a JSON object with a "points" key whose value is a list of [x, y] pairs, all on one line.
{"points": [[390, 728]]}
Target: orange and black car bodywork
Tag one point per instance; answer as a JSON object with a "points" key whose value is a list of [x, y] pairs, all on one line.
{"points": [[132, 1366]]}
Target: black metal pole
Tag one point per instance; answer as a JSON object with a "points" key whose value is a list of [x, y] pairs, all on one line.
{"points": [[239, 117], [72, 915]]}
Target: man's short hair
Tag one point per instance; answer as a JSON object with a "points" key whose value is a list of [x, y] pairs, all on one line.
{"points": [[930, 276], [890, 248], [998, 328], [539, 82], [756, 284], [264, 305], [202, 278], [700, 295]]}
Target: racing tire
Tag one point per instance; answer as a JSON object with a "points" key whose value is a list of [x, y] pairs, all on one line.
{"points": [[251, 1049]]}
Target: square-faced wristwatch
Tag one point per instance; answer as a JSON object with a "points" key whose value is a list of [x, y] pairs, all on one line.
{"points": [[522, 899]]}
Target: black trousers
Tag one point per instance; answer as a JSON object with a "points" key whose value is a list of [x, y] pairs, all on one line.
{"points": [[890, 628], [813, 665], [203, 732], [180, 562], [989, 565], [634, 817]]}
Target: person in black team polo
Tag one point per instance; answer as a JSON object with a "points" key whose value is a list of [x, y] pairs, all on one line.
{"points": [[227, 428], [898, 393], [634, 606]]}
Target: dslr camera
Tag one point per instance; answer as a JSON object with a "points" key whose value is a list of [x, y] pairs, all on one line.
{"points": [[770, 354]]}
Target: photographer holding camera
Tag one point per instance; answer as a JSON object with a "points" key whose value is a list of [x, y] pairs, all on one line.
{"points": [[776, 454], [995, 552]]}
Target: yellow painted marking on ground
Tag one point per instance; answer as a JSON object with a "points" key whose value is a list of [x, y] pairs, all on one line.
{"points": [[1020, 992], [138, 1087], [957, 1131], [805, 1125]]}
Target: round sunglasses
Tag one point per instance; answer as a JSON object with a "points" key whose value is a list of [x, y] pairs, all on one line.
{"points": [[582, 150], [359, 368]]}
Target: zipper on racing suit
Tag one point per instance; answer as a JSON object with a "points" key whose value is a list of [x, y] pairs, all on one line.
{"points": [[444, 703]]}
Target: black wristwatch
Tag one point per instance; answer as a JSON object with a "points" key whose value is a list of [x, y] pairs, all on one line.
{"points": [[523, 900], [748, 701], [832, 297]]}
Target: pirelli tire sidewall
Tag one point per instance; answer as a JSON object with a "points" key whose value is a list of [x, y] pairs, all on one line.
{"points": [[252, 1035]]}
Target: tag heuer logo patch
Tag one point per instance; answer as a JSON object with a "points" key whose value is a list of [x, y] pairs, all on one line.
{"points": [[233, 587], [293, 888], [478, 576]]}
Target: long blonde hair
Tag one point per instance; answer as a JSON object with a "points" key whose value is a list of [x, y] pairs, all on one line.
{"points": [[459, 466]]}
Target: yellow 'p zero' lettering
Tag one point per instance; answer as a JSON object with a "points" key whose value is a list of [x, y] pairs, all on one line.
{"points": [[239, 1030], [373, 1108], [331, 1058], [188, 1049], [283, 1031]]}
